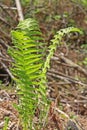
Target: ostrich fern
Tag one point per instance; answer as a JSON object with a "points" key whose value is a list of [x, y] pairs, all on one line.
{"points": [[26, 68], [29, 69]]}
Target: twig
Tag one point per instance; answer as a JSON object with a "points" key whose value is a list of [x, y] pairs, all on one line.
{"points": [[57, 76], [4, 21], [5, 60], [5, 34], [72, 64], [7, 12], [73, 123], [6, 7], [3, 75], [1, 124], [4, 44], [19, 9], [7, 70], [80, 101], [61, 112], [65, 77], [58, 61]]}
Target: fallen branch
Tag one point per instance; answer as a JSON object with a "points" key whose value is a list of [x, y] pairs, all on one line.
{"points": [[19, 9], [6, 7], [7, 70], [66, 78], [71, 63]]}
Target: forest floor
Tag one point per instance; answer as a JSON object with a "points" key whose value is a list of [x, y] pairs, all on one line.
{"points": [[67, 78]]}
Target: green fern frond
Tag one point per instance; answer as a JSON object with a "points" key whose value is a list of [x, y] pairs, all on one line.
{"points": [[54, 43], [27, 66]]}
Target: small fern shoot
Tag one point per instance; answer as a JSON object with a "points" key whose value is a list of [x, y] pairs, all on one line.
{"points": [[52, 48]]}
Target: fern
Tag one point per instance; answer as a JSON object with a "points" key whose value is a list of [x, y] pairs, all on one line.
{"points": [[27, 66], [54, 43], [29, 69]]}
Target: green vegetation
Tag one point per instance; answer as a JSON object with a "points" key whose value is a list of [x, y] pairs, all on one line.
{"points": [[6, 123], [81, 2], [29, 70]]}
